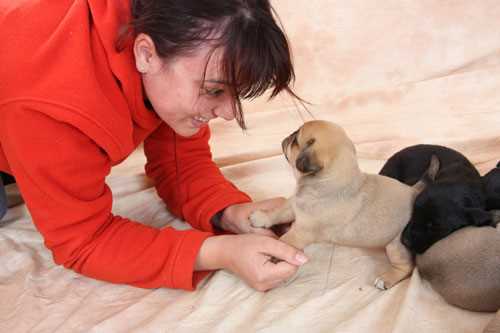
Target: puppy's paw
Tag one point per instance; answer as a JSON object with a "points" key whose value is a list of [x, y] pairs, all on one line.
{"points": [[390, 278], [379, 284], [259, 219]]}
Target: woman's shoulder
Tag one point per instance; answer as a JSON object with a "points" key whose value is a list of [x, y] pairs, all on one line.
{"points": [[54, 61], [44, 46]]}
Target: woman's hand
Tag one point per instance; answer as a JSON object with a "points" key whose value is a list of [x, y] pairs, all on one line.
{"points": [[236, 217], [248, 256]]}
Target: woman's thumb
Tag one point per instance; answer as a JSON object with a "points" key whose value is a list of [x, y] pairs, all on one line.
{"points": [[288, 253]]}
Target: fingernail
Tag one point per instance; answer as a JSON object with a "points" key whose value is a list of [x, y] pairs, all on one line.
{"points": [[300, 257]]}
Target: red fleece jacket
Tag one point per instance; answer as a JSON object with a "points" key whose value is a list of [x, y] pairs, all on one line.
{"points": [[71, 107]]}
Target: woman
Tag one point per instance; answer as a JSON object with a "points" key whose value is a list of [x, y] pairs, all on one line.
{"points": [[85, 82]]}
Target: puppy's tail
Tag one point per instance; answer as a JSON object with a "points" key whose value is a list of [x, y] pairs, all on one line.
{"points": [[429, 175]]}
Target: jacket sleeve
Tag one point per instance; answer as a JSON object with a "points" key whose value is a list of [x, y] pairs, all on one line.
{"points": [[61, 175], [186, 178]]}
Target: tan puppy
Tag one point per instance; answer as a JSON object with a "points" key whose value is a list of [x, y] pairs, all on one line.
{"points": [[464, 268], [336, 202]]}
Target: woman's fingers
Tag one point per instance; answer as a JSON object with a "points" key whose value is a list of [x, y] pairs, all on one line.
{"points": [[249, 256], [283, 251]]}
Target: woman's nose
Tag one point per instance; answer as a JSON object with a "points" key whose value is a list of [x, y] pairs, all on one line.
{"points": [[224, 111]]}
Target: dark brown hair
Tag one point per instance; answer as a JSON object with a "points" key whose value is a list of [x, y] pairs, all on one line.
{"points": [[256, 54]]}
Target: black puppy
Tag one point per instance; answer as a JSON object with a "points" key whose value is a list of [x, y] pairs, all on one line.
{"points": [[452, 199], [491, 186]]}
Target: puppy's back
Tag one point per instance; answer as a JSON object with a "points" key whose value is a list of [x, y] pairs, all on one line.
{"points": [[385, 206], [491, 185], [409, 164], [464, 268]]}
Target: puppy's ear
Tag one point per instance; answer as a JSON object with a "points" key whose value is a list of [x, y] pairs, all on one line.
{"points": [[479, 217], [307, 161], [430, 174]]}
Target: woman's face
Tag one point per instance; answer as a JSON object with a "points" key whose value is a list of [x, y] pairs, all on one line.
{"points": [[183, 96]]}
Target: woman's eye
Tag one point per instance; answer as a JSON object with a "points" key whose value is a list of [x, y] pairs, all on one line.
{"points": [[215, 92]]}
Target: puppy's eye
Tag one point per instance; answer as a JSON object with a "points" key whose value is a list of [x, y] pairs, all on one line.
{"points": [[310, 142]]}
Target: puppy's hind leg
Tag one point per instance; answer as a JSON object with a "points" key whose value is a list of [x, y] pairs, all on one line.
{"points": [[494, 325], [268, 218], [402, 265]]}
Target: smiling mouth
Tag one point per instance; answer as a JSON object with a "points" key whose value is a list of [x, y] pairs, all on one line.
{"points": [[201, 119]]}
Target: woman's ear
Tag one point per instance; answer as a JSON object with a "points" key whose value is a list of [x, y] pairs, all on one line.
{"points": [[146, 58]]}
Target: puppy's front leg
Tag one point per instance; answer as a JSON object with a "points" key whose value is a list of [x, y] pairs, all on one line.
{"points": [[298, 237], [402, 265], [266, 219]]}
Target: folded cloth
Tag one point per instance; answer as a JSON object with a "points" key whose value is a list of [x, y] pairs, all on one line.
{"points": [[3, 199]]}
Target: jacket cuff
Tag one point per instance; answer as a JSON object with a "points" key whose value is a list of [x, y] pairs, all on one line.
{"points": [[214, 206], [181, 274]]}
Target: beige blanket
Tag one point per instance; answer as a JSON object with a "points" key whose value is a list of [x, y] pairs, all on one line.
{"points": [[392, 73]]}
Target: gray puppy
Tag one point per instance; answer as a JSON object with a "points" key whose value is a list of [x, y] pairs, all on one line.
{"points": [[464, 268]]}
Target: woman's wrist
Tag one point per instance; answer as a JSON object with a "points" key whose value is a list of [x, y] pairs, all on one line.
{"points": [[228, 219], [216, 220], [212, 254]]}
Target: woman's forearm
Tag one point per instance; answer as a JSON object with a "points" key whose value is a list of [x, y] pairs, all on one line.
{"points": [[212, 254]]}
